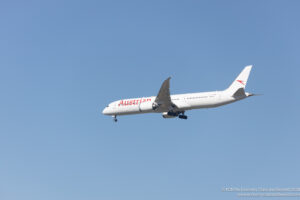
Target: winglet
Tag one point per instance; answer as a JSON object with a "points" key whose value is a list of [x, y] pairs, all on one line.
{"points": [[163, 98], [164, 92]]}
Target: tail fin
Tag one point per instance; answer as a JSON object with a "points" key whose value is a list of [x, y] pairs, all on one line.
{"points": [[240, 82]]}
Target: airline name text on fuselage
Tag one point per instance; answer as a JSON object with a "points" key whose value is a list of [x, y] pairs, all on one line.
{"points": [[133, 102]]}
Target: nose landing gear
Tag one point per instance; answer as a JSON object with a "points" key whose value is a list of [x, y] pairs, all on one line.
{"points": [[115, 118]]}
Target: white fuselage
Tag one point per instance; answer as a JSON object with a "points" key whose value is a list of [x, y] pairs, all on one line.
{"points": [[175, 105], [183, 102]]}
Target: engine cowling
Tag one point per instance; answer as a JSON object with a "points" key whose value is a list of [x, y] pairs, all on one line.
{"points": [[169, 115], [146, 106]]}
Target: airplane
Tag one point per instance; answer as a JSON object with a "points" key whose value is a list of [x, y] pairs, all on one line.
{"points": [[172, 106]]}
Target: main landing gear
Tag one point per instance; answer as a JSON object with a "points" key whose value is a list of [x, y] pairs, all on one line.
{"points": [[115, 118], [182, 115], [171, 114]]}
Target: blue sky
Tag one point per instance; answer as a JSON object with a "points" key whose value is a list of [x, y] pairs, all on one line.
{"points": [[62, 62]]}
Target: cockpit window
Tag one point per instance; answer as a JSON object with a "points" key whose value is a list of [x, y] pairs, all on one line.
{"points": [[107, 106]]}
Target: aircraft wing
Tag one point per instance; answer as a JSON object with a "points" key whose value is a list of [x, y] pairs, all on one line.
{"points": [[163, 99]]}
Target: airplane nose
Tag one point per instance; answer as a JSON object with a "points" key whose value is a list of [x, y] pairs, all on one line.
{"points": [[104, 112]]}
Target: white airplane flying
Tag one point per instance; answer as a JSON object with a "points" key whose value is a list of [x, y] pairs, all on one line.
{"points": [[175, 105]]}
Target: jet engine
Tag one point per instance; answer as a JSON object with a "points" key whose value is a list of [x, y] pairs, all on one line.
{"points": [[146, 106]]}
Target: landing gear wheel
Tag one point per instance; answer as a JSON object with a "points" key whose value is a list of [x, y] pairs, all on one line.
{"points": [[115, 118], [182, 116]]}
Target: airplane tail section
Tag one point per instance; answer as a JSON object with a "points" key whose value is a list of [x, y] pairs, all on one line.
{"points": [[239, 84]]}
